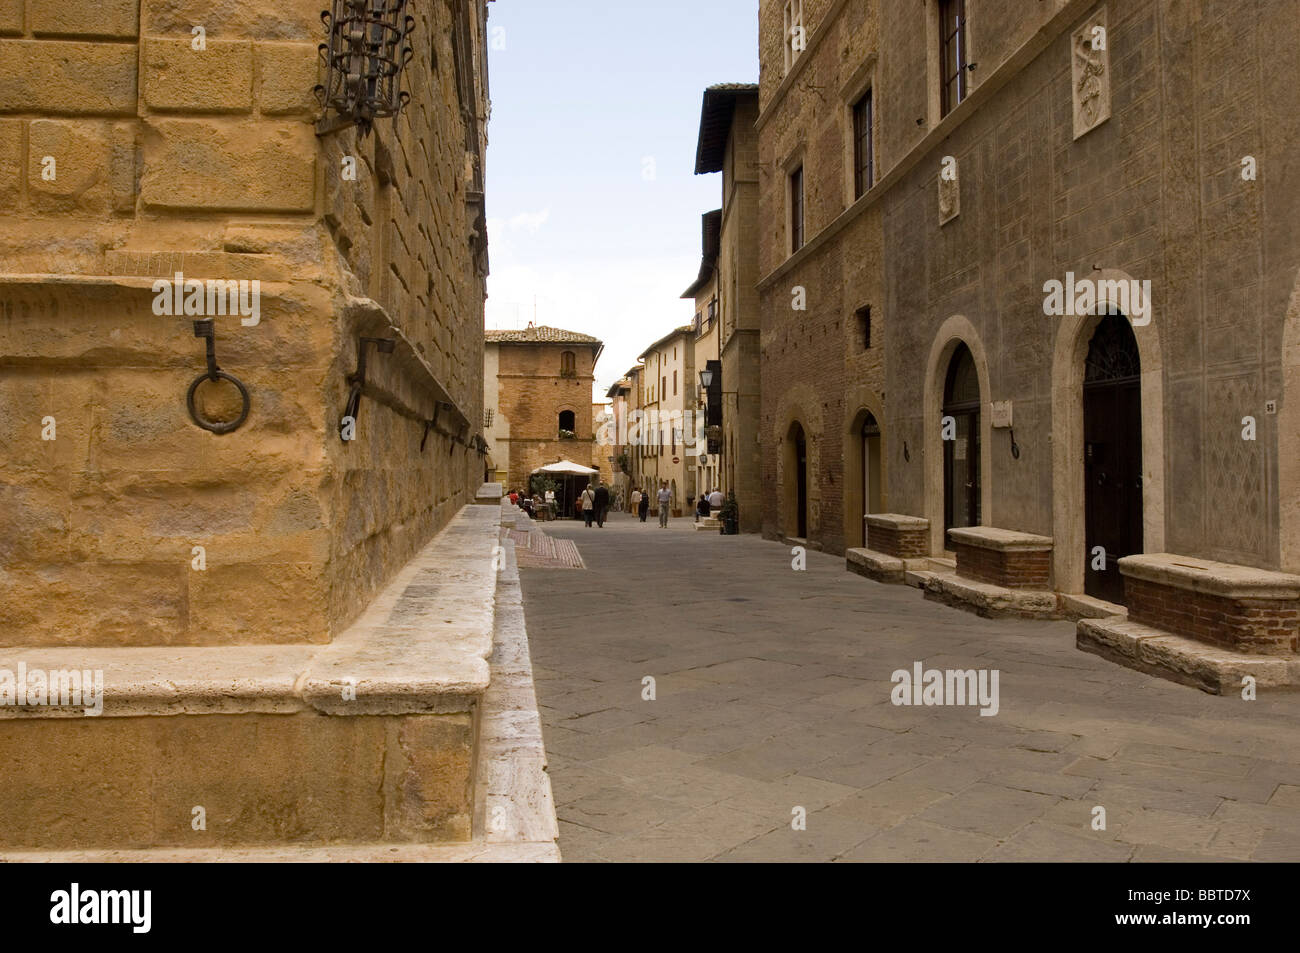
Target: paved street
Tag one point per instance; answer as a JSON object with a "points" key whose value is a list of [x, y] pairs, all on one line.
{"points": [[773, 693]]}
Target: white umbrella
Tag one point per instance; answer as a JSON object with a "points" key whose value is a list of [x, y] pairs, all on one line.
{"points": [[567, 466]]}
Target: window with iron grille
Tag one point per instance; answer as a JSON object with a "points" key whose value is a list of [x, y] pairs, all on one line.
{"points": [[864, 325], [953, 54], [863, 171]]}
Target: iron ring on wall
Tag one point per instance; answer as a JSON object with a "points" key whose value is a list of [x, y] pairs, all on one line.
{"points": [[211, 425]]}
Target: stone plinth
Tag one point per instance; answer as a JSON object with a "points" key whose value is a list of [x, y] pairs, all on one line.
{"points": [[371, 738], [1003, 557]]}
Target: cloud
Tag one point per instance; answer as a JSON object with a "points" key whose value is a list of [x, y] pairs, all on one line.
{"points": [[530, 221]]}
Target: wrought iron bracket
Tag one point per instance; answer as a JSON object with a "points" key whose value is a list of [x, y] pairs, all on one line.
{"points": [[204, 328], [358, 379]]}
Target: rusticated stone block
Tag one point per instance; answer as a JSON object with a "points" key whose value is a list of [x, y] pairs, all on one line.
{"points": [[11, 162], [68, 79], [435, 785], [179, 78], [238, 166], [121, 170], [67, 163], [286, 73], [106, 18], [11, 17]]}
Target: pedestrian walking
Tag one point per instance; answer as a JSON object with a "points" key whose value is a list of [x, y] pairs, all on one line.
{"points": [[665, 498], [602, 504], [643, 505], [588, 502]]}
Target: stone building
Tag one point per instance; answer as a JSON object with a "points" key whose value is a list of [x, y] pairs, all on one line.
{"points": [[725, 293], [541, 378], [820, 291], [708, 352], [1067, 228], [669, 422], [171, 186]]}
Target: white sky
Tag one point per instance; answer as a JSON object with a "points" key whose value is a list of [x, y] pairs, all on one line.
{"points": [[593, 207]]}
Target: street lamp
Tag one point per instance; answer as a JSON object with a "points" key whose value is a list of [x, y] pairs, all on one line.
{"points": [[367, 49], [706, 379]]}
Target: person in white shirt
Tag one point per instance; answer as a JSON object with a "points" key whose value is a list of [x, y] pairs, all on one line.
{"points": [[588, 504], [665, 498], [715, 500]]}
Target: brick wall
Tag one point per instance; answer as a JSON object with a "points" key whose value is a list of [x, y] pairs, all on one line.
{"points": [[1256, 626], [902, 544], [1017, 569]]}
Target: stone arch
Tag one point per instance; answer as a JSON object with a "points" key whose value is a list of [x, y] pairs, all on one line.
{"points": [[954, 331], [1073, 335], [799, 406], [863, 401], [1288, 438]]}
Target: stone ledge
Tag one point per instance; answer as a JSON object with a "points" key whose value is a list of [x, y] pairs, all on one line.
{"points": [[489, 493], [1077, 606], [881, 566], [989, 601], [1183, 660], [1212, 578], [897, 521], [999, 540], [420, 647], [473, 852]]}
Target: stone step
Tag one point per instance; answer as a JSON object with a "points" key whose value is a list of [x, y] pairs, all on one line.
{"points": [[1214, 670]]}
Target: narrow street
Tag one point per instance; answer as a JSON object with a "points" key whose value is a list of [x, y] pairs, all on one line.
{"points": [[772, 693]]}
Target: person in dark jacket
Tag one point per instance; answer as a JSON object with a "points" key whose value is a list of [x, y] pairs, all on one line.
{"points": [[602, 504], [643, 508]]}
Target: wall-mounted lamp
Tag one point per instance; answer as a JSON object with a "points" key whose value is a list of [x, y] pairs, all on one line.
{"points": [[706, 379], [367, 49]]}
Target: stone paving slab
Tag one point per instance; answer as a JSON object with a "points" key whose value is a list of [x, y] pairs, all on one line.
{"points": [[773, 693]]}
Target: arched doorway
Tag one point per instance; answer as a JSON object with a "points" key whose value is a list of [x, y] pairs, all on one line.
{"points": [[1112, 455], [869, 434], [961, 443], [795, 480]]}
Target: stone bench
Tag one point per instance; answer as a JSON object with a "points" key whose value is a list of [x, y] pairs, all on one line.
{"points": [[1247, 610], [999, 573], [1003, 557], [370, 738], [896, 545], [1203, 623]]}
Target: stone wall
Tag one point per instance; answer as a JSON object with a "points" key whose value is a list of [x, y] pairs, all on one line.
{"points": [[532, 395], [127, 155], [815, 370]]}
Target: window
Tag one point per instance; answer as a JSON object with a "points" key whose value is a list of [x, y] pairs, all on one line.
{"points": [[663, 385], [952, 54], [698, 327], [568, 364], [863, 173], [674, 383], [567, 424], [796, 210], [713, 311], [864, 323], [796, 39]]}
